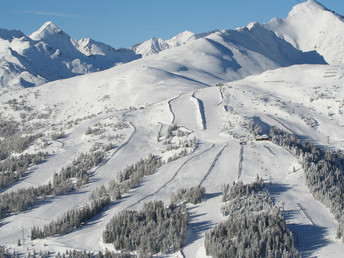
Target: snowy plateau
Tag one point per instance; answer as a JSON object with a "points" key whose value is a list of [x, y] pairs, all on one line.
{"points": [[86, 125]]}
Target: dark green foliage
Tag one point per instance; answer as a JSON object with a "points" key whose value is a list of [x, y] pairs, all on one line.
{"points": [[78, 169], [192, 195], [7, 128], [254, 228], [58, 135], [13, 166], [324, 172], [3, 252], [154, 229], [15, 144], [75, 217], [22, 199], [84, 254], [13, 169], [239, 189], [99, 198], [131, 175]]}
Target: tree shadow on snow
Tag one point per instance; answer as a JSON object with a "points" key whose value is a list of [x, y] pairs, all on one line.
{"points": [[197, 229], [276, 189], [308, 238], [208, 196]]}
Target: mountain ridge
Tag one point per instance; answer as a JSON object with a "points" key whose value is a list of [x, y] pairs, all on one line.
{"points": [[67, 57], [50, 54], [230, 108], [322, 30]]}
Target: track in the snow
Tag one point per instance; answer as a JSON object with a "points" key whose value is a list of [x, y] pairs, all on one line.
{"points": [[212, 165], [171, 179]]}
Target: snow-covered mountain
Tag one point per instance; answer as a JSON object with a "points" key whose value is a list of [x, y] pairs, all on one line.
{"points": [[311, 26], [155, 45], [50, 54], [192, 107]]}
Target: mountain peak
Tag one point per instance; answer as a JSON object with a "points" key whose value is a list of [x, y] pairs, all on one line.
{"points": [[46, 30], [10, 34], [310, 5], [311, 26]]}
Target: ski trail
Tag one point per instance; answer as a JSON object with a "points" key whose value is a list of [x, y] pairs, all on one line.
{"points": [[160, 130], [282, 124], [127, 141], [170, 106], [212, 165], [304, 211], [200, 117], [118, 149], [266, 147], [171, 179], [241, 159]]}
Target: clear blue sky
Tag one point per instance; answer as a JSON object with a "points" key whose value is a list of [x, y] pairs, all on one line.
{"points": [[123, 23]]}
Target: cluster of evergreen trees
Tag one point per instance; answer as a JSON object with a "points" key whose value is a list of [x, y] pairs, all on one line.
{"points": [[3, 252], [74, 218], [254, 227], [324, 172], [15, 144], [131, 175], [192, 195], [13, 168], [107, 254], [128, 178], [78, 170], [155, 229], [240, 189], [22, 199], [11, 140]]}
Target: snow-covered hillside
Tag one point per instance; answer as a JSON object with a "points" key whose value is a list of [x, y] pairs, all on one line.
{"points": [[184, 116], [156, 45], [296, 99], [50, 54], [310, 26]]}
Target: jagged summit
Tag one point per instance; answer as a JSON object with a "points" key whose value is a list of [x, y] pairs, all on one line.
{"points": [[56, 38], [48, 29], [311, 26], [10, 34], [156, 45], [49, 54]]}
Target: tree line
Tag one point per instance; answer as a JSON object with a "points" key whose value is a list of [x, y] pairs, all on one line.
{"points": [[324, 171], [74, 218], [14, 168], [128, 178], [22, 199], [192, 195], [154, 229], [254, 226]]}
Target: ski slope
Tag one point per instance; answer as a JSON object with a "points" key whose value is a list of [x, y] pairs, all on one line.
{"points": [[225, 152], [206, 86]]}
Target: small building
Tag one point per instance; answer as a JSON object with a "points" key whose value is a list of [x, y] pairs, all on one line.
{"points": [[263, 137]]}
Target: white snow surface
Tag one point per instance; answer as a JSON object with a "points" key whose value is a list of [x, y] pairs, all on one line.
{"points": [[156, 45], [50, 54], [311, 26], [209, 87], [284, 97]]}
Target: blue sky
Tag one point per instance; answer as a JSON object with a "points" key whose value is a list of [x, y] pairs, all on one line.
{"points": [[123, 23]]}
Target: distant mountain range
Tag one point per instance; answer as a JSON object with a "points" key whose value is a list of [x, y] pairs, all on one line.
{"points": [[261, 103], [50, 54]]}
